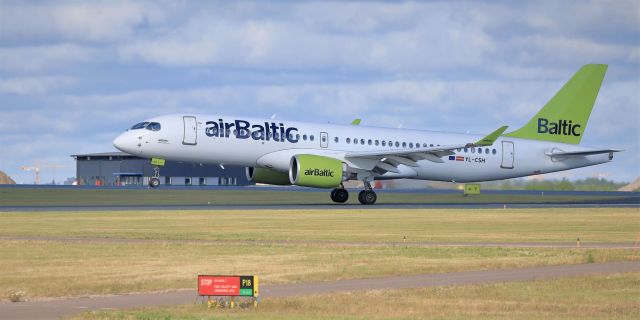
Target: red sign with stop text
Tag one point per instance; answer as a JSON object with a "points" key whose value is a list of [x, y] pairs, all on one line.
{"points": [[226, 285]]}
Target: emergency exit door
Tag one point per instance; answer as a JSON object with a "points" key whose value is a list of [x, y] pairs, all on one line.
{"points": [[324, 140], [507, 155], [190, 131]]}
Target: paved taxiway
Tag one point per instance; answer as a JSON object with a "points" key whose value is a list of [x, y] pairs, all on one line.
{"points": [[51, 309]]}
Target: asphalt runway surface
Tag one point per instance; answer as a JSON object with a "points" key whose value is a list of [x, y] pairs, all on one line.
{"points": [[51, 309], [631, 203], [306, 189], [622, 200]]}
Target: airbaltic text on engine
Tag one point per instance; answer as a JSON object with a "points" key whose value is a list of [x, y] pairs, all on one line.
{"points": [[244, 130], [319, 172], [562, 127]]}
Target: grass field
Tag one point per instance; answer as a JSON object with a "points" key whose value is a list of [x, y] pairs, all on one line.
{"points": [[592, 297], [371, 225], [44, 269], [110, 260], [80, 197]]}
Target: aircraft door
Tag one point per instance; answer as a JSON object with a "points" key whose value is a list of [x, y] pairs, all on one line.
{"points": [[324, 139], [507, 155], [190, 130]]}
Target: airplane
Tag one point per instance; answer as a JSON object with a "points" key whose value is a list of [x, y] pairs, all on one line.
{"points": [[280, 152]]}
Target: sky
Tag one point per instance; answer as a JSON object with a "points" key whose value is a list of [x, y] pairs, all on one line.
{"points": [[74, 75]]}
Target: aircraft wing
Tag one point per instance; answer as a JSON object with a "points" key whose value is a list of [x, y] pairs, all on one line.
{"points": [[390, 159]]}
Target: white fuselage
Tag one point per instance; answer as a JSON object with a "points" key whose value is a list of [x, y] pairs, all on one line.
{"points": [[195, 138]]}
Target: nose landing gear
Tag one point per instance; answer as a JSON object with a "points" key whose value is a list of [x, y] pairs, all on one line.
{"points": [[154, 181]]}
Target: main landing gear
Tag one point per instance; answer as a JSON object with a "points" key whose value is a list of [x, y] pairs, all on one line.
{"points": [[340, 195], [366, 196]]}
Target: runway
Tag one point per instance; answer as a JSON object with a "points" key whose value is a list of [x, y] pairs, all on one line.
{"points": [[67, 198], [52, 309], [623, 203]]}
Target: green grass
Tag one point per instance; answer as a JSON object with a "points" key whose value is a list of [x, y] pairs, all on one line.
{"points": [[109, 260], [372, 225], [85, 197], [54, 269], [590, 297]]}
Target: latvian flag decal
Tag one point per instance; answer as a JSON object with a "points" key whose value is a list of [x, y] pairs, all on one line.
{"points": [[456, 158]]}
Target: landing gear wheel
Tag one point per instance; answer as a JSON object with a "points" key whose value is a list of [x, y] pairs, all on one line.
{"points": [[154, 182], [339, 195], [367, 197]]}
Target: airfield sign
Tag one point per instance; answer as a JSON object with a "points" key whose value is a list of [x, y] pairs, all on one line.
{"points": [[234, 286]]}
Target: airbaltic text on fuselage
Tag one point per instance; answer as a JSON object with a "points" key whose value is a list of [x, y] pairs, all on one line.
{"points": [[562, 127], [244, 130], [318, 172]]}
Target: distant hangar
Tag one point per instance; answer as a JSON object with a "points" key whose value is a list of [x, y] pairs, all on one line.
{"points": [[122, 169]]}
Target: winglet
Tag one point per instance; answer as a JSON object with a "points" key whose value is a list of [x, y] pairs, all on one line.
{"points": [[491, 138], [356, 122]]}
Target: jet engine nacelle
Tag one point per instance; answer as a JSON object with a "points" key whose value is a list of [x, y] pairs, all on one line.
{"points": [[309, 170], [267, 176]]}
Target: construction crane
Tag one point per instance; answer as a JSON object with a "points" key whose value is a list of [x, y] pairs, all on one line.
{"points": [[37, 167]]}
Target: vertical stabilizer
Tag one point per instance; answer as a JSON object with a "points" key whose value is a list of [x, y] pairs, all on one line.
{"points": [[564, 118]]}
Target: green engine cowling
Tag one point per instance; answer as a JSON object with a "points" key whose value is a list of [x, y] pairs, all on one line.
{"points": [[267, 176], [309, 170]]}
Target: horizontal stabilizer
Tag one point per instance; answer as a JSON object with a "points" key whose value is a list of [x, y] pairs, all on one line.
{"points": [[581, 153]]}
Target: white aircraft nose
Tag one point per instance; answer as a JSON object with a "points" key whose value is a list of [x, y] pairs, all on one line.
{"points": [[123, 143]]}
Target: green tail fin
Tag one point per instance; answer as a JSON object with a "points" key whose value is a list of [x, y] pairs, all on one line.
{"points": [[564, 118]]}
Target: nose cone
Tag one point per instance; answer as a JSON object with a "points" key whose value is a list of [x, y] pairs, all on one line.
{"points": [[124, 143]]}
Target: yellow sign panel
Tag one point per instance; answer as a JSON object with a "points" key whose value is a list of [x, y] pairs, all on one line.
{"points": [[157, 162], [472, 188]]}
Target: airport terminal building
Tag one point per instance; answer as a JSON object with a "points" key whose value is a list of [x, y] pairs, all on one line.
{"points": [[122, 169]]}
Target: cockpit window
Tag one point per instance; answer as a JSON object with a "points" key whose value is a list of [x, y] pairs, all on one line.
{"points": [[140, 125], [153, 126]]}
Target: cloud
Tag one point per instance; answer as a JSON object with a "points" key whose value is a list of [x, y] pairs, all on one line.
{"points": [[582, 18], [292, 43], [81, 72], [35, 85], [45, 57], [77, 21]]}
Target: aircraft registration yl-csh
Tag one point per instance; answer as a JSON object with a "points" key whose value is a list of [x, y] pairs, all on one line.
{"points": [[326, 155]]}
